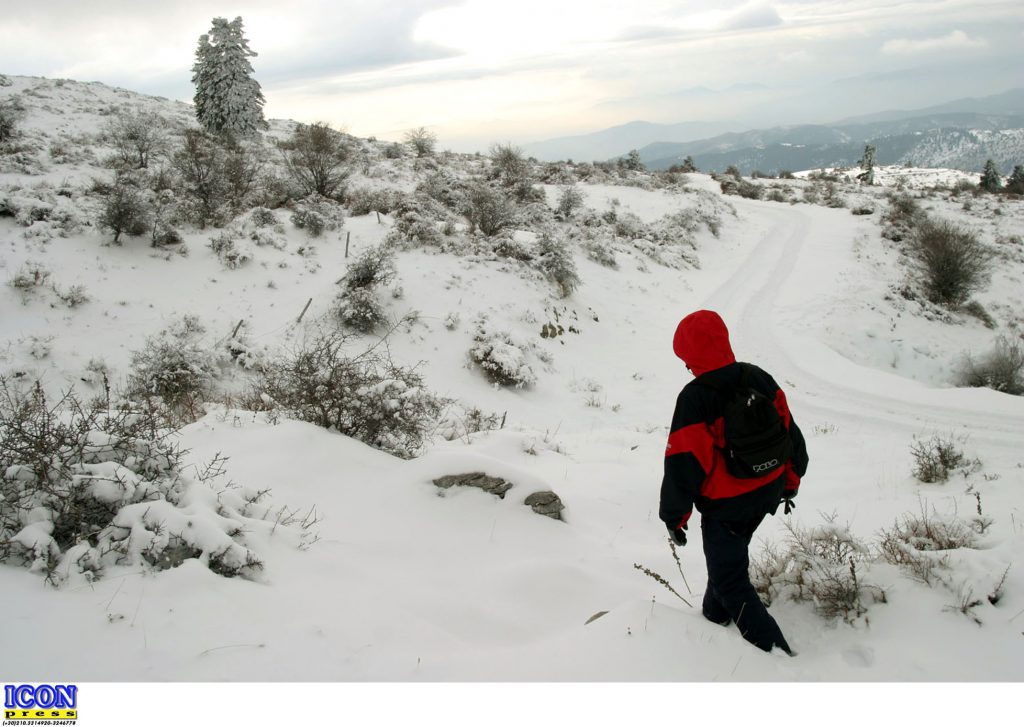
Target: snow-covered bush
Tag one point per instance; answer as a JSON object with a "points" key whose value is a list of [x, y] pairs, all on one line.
{"points": [[125, 210], [417, 223], [920, 544], [601, 249], [1001, 369], [364, 200], [422, 141], [361, 395], [357, 305], [243, 352], [30, 277], [570, 198], [902, 216], [11, 114], [936, 457], [505, 245], [231, 251], [42, 210], [444, 187], [137, 137], [175, 366], [502, 356], [823, 565], [200, 164], [315, 214], [84, 489], [461, 422], [554, 259], [951, 262], [489, 210], [73, 297], [317, 159]]}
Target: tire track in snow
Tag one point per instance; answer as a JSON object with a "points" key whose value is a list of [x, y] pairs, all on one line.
{"points": [[821, 379]]}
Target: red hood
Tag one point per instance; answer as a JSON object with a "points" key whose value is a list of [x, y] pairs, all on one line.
{"points": [[702, 342]]}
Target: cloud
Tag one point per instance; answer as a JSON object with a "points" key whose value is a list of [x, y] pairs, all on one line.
{"points": [[150, 47], [753, 15], [797, 57], [647, 32], [957, 40]]}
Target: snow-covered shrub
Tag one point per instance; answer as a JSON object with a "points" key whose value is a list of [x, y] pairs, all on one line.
{"points": [[823, 565], [570, 198], [315, 214], [600, 249], [417, 223], [951, 262], [11, 114], [84, 489], [73, 297], [902, 216], [444, 187], [505, 245], [243, 352], [137, 137], [38, 347], [422, 141], [502, 356], [554, 259], [357, 304], [175, 366], [920, 543], [318, 159], [936, 457], [231, 251], [42, 210], [125, 209], [489, 210], [30, 277], [460, 422], [200, 164], [361, 395], [1001, 369], [360, 309], [364, 200], [262, 217]]}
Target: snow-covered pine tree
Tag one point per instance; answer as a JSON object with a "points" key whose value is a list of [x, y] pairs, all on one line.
{"points": [[867, 163], [1015, 184], [227, 97], [990, 179]]}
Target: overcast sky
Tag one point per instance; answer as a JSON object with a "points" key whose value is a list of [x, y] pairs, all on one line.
{"points": [[478, 71]]}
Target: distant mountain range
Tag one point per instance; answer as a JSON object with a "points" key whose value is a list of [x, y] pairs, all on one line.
{"points": [[961, 134], [618, 140]]}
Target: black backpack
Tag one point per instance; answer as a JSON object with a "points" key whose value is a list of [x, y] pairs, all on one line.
{"points": [[757, 442]]}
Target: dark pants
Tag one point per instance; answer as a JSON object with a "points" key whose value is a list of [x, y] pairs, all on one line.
{"points": [[729, 595]]}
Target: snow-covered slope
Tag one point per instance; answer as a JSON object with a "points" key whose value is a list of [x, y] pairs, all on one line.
{"points": [[411, 583]]}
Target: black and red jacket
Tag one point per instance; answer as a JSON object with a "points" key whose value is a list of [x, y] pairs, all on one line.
{"points": [[695, 468]]}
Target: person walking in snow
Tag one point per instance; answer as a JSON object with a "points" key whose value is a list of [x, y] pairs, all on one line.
{"points": [[735, 453]]}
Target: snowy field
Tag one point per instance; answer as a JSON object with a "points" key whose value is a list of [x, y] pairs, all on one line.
{"points": [[409, 583]]}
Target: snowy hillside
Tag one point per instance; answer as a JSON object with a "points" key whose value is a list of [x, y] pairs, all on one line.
{"points": [[350, 563]]}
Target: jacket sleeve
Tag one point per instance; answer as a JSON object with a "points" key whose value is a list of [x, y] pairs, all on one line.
{"points": [[688, 445]]}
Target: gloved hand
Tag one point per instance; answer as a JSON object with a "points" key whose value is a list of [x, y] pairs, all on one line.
{"points": [[790, 505], [678, 535]]}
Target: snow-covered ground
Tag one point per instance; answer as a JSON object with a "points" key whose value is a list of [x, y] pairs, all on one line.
{"points": [[411, 583]]}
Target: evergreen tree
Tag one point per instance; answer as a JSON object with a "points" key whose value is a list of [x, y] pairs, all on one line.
{"points": [[1015, 184], [867, 163], [990, 179], [227, 97]]}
